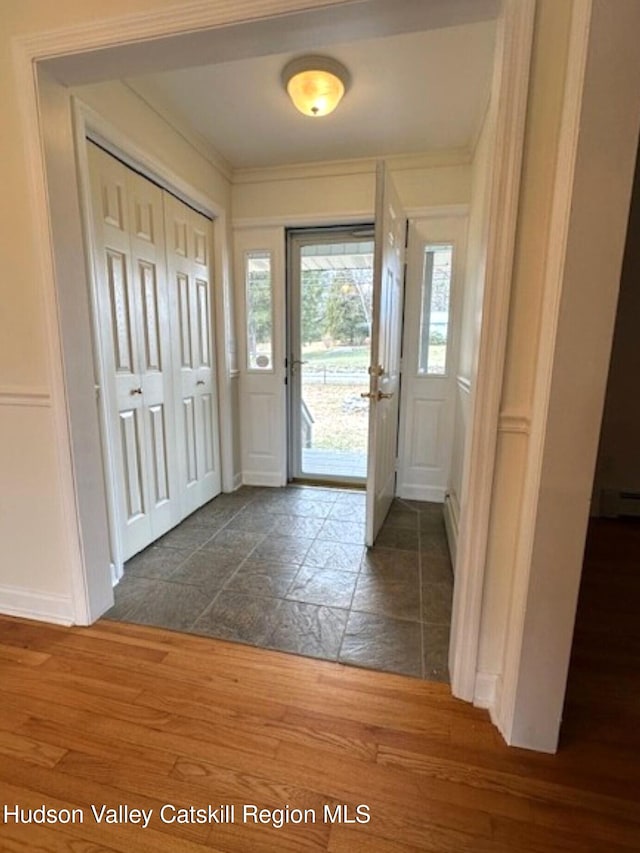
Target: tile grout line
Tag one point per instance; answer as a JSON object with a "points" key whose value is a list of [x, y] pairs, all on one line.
{"points": [[350, 609]]}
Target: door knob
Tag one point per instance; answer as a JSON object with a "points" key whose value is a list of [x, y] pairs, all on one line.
{"points": [[135, 391], [200, 382], [379, 395]]}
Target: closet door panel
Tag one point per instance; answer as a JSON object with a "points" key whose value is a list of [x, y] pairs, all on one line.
{"points": [[153, 295], [120, 346], [148, 251], [190, 300]]}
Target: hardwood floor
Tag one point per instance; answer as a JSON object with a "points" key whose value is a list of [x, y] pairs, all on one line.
{"points": [[122, 714]]}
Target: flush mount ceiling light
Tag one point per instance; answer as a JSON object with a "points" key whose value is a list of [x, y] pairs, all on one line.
{"points": [[315, 84]]}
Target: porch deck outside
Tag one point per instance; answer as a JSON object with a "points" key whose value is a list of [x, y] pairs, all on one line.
{"points": [[335, 417]]}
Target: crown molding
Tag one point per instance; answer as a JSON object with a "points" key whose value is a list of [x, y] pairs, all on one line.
{"points": [[356, 166]]}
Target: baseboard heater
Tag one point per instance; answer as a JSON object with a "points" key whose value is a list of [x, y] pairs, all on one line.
{"points": [[614, 503]]}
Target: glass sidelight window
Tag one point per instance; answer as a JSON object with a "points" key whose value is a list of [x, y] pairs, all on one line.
{"points": [[259, 313], [435, 310]]}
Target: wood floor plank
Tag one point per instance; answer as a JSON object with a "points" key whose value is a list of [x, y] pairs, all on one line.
{"points": [[17, 654], [30, 749], [116, 713]]}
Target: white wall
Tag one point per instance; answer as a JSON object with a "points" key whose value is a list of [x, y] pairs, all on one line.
{"points": [[299, 195], [473, 291]]}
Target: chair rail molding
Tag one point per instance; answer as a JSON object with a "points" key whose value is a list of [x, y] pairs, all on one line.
{"points": [[24, 395]]}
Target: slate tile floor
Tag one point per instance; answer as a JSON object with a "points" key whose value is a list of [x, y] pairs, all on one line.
{"points": [[286, 569]]}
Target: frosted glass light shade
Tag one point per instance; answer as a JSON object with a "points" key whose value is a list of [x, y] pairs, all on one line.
{"points": [[315, 84]]}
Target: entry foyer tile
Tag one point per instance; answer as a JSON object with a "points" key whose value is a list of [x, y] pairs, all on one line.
{"points": [[286, 568], [348, 532], [256, 578], [170, 605], [235, 616], [382, 642], [282, 549], [335, 555], [388, 594], [206, 570], [436, 652], [308, 629], [323, 586], [155, 562]]}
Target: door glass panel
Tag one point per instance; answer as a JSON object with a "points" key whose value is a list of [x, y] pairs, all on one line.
{"points": [[335, 299], [434, 314], [259, 299]]}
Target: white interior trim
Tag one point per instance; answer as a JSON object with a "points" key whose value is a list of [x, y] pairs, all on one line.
{"points": [[18, 395], [514, 422], [309, 220], [356, 166], [433, 494], [43, 607], [561, 212], [486, 690], [355, 217], [438, 211], [513, 51], [452, 523], [27, 96]]}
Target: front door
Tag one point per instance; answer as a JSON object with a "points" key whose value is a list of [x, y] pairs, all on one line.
{"points": [[330, 308], [386, 347]]}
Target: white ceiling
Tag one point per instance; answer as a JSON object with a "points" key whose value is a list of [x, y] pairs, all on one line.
{"points": [[410, 93]]}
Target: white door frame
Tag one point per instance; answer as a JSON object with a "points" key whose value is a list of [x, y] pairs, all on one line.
{"points": [[510, 89], [511, 86]]}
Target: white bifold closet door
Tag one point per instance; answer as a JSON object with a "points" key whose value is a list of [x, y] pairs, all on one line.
{"points": [[188, 241], [154, 327]]}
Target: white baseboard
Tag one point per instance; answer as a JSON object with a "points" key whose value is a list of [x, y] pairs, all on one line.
{"points": [[43, 607], [486, 690], [433, 494], [451, 524], [259, 478], [237, 482]]}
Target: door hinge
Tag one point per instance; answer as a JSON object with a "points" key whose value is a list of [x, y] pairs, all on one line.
{"points": [[396, 466]]}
